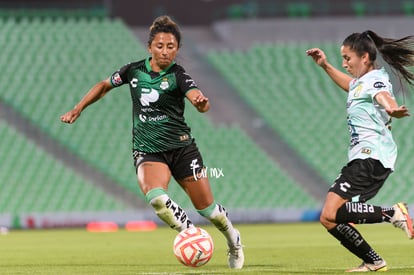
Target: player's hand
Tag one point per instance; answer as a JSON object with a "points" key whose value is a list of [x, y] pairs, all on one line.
{"points": [[399, 112], [318, 56], [71, 116], [201, 103]]}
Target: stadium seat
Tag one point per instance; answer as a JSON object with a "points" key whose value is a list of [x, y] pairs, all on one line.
{"points": [[32, 181]]}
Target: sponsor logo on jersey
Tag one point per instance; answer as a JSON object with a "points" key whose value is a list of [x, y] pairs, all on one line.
{"points": [[116, 79], [156, 118], [148, 96], [142, 117], [379, 85], [164, 84]]}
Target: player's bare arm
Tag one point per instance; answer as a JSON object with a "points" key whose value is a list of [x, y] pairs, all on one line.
{"points": [[340, 78], [95, 93], [391, 106]]}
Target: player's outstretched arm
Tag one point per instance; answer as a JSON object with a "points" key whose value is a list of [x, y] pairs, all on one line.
{"points": [[340, 78], [94, 94], [390, 105]]}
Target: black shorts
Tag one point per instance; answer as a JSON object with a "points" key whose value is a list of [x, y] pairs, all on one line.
{"points": [[360, 180], [183, 162]]}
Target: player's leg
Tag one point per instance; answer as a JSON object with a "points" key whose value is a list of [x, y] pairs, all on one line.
{"points": [[360, 181], [348, 235], [190, 173], [358, 212], [153, 179], [199, 191]]}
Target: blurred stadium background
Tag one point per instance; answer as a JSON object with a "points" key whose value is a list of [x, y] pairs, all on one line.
{"points": [[273, 141]]}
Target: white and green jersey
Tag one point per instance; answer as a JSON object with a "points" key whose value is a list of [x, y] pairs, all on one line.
{"points": [[368, 122], [158, 102]]}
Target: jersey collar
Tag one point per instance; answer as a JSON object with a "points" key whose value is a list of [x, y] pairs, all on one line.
{"points": [[147, 64]]}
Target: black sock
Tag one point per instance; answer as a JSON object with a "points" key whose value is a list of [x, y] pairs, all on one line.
{"points": [[351, 239], [358, 212]]}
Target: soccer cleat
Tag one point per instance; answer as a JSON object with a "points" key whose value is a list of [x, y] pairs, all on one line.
{"points": [[235, 254], [401, 219], [365, 267]]}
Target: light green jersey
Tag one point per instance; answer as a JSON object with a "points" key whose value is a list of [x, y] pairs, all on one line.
{"points": [[368, 122]]}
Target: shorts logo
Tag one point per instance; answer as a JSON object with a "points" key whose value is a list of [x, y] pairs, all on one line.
{"points": [[379, 84], [138, 157], [344, 186]]}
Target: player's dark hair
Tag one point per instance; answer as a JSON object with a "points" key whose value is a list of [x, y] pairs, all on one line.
{"points": [[164, 24], [398, 53]]}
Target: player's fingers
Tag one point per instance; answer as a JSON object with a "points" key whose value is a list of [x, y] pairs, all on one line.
{"points": [[68, 118], [200, 98], [312, 51]]}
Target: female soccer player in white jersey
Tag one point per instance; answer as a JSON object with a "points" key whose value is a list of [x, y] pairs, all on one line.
{"points": [[372, 150], [162, 142]]}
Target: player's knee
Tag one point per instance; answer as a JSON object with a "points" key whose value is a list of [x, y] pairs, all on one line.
{"points": [[327, 218], [323, 221]]}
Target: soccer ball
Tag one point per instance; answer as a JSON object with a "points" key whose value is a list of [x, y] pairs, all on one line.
{"points": [[193, 247]]}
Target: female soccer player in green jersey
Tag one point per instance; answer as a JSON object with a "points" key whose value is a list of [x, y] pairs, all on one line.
{"points": [[162, 142], [372, 151]]}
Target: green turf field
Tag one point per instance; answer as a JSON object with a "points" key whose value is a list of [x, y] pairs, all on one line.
{"points": [[304, 248]]}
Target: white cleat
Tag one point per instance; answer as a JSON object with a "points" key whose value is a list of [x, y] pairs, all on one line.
{"points": [[235, 254], [401, 219]]}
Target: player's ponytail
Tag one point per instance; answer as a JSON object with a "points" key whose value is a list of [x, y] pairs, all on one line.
{"points": [[398, 53]]}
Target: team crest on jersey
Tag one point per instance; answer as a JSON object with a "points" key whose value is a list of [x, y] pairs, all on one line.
{"points": [[164, 84], [358, 90]]}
